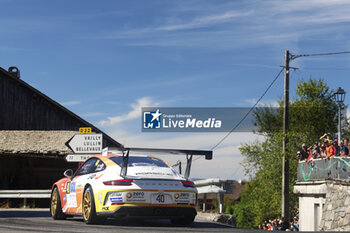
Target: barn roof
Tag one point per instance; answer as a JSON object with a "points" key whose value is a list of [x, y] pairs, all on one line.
{"points": [[35, 142]]}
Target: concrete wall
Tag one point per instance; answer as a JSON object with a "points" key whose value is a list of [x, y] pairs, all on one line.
{"points": [[312, 197]]}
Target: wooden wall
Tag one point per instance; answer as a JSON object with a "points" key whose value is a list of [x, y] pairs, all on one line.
{"points": [[25, 108]]}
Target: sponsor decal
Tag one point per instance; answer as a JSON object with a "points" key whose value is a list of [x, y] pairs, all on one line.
{"points": [[182, 197], [71, 200], [136, 196], [68, 187], [115, 194], [116, 199], [105, 208], [72, 187]]}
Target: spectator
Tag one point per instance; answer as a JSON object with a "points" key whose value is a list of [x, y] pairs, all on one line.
{"points": [[323, 152], [344, 151], [336, 148], [284, 224], [329, 149], [275, 225], [295, 224], [326, 137], [346, 142], [313, 155], [304, 153]]}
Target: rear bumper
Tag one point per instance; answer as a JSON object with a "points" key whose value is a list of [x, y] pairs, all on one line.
{"points": [[151, 212]]}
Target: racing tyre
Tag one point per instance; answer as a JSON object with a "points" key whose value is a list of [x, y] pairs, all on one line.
{"points": [[187, 220], [89, 209], [55, 207]]}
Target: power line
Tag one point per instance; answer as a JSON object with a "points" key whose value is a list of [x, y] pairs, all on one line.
{"points": [[292, 57], [251, 109]]}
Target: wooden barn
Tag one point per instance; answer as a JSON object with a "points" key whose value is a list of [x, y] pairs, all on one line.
{"points": [[33, 133]]}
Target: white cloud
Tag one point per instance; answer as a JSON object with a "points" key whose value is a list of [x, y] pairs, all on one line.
{"points": [[262, 103], [133, 114], [222, 26], [71, 103], [205, 21]]}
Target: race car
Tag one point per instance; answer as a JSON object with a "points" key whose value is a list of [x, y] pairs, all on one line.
{"points": [[122, 185]]}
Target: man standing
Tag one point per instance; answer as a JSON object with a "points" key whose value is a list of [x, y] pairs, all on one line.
{"points": [[344, 151], [303, 152]]}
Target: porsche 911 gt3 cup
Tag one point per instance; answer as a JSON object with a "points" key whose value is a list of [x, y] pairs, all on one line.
{"points": [[123, 185]]}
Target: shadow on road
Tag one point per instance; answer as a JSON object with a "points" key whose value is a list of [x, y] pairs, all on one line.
{"points": [[137, 223], [5, 213]]}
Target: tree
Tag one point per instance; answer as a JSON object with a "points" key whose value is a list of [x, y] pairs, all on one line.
{"points": [[312, 113]]}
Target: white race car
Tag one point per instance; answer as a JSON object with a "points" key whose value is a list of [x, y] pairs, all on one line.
{"points": [[119, 185]]}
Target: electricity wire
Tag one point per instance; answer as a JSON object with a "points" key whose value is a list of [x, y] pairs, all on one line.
{"points": [[250, 110]]}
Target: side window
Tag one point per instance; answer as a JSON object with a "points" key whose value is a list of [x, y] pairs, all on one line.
{"points": [[87, 167], [99, 166]]}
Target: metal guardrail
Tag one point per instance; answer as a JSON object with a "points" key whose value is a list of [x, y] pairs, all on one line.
{"points": [[46, 193], [324, 169], [24, 194]]}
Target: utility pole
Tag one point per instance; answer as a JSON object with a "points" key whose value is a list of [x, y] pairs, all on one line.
{"points": [[285, 161]]}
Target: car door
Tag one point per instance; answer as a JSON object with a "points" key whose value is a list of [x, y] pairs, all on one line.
{"points": [[75, 187]]}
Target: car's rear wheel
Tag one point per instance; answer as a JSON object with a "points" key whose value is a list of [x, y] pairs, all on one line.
{"points": [[183, 221], [55, 207], [89, 209]]}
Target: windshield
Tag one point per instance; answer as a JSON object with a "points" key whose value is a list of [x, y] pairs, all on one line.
{"points": [[135, 161]]}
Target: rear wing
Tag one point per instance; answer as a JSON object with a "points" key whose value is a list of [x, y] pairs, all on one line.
{"points": [[188, 153]]}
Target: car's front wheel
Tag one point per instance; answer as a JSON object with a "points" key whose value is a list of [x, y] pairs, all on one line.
{"points": [[55, 207], [89, 209]]}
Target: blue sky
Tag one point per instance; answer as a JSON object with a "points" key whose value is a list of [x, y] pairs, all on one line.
{"points": [[105, 59]]}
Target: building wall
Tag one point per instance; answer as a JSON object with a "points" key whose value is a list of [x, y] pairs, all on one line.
{"points": [[310, 212], [22, 108], [24, 172]]}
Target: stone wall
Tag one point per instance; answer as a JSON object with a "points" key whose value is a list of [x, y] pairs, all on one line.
{"points": [[336, 211]]}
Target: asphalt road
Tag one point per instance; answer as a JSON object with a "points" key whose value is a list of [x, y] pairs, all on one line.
{"points": [[19, 220]]}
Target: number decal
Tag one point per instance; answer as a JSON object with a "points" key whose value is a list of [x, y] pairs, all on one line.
{"points": [[160, 198]]}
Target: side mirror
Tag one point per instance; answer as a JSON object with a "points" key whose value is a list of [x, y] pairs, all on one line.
{"points": [[68, 173]]}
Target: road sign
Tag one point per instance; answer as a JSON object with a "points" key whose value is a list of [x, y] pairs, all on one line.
{"points": [[86, 143], [77, 158], [85, 130]]}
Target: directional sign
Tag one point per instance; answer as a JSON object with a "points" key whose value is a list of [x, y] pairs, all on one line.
{"points": [[77, 158], [86, 143]]}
